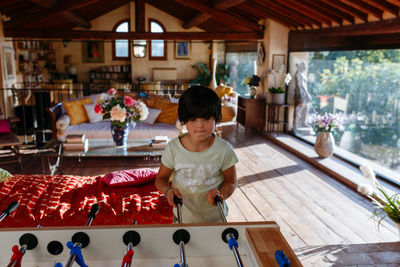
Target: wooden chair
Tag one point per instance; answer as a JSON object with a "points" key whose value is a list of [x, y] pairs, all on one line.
{"points": [[11, 141]]}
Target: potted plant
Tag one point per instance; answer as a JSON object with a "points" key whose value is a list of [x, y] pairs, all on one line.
{"points": [[385, 203], [277, 91]]}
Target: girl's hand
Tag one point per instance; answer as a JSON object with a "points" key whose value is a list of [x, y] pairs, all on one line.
{"points": [[170, 196], [211, 195]]}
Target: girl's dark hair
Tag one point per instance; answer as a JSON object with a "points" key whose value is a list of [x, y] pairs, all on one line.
{"points": [[199, 102]]}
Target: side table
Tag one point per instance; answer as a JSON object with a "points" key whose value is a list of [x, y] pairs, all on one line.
{"points": [[274, 117]]}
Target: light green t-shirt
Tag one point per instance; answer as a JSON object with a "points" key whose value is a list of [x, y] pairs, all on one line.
{"points": [[195, 173]]}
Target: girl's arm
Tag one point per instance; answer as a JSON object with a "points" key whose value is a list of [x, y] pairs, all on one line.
{"points": [[228, 186], [162, 184]]}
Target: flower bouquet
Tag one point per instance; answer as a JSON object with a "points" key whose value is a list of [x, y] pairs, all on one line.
{"points": [[121, 111], [252, 82], [280, 81], [386, 204], [326, 123]]}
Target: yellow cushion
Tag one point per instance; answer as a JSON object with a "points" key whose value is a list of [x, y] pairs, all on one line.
{"points": [[228, 90], [168, 114], [169, 111], [76, 110], [220, 91]]}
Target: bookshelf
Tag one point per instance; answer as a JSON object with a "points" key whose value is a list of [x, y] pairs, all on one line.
{"points": [[35, 58], [113, 74]]}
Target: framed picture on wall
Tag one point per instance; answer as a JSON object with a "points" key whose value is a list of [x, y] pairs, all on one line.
{"points": [[9, 63], [278, 60], [183, 50], [93, 51]]}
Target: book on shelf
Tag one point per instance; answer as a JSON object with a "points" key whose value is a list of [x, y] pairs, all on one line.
{"points": [[83, 146], [160, 139], [156, 146], [75, 138]]}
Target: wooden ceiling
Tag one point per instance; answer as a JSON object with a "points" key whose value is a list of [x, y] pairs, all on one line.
{"points": [[220, 19]]}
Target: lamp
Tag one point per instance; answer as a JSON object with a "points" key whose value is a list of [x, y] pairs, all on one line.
{"points": [[139, 48], [65, 42], [69, 66]]}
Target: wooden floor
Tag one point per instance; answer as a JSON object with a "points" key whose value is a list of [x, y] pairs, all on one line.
{"points": [[325, 223]]}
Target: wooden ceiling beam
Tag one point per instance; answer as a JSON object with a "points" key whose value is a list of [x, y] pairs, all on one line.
{"points": [[333, 10], [260, 11], [111, 35], [64, 9], [304, 9], [288, 12], [227, 19], [323, 10], [346, 8], [390, 26], [360, 4], [389, 7], [202, 17], [140, 16]]}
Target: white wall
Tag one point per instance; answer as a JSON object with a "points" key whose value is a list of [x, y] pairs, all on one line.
{"points": [[140, 66], [6, 95]]}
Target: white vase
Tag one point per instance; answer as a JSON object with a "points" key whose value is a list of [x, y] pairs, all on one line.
{"points": [[325, 144], [278, 99], [252, 91]]}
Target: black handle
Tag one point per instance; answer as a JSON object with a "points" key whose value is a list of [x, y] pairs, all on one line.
{"points": [[217, 199], [94, 210], [11, 207], [177, 200]]}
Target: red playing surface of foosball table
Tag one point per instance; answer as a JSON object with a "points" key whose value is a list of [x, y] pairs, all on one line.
{"points": [[65, 200]]}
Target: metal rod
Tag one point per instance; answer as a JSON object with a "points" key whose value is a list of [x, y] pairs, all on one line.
{"points": [[221, 211], [10, 208], [182, 253], [178, 203], [23, 250], [235, 251], [72, 257], [130, 245]]}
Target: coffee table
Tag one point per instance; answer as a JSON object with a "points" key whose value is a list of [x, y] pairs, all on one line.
{"points": [[102, 148]]}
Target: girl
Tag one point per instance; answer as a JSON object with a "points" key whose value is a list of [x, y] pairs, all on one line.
{"points": [[202, 163]]}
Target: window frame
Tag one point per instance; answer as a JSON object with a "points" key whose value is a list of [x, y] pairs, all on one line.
{"points": [[114, 56], [165, 57]]}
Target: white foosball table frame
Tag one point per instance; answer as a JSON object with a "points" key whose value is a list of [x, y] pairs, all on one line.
{"points": [[257, 241]]}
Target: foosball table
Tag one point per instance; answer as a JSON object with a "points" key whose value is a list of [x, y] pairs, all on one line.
{"points": [[153, 245], [178, 245]]}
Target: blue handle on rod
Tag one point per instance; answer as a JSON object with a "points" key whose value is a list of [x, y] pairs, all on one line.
{"points": [[281, 258]]}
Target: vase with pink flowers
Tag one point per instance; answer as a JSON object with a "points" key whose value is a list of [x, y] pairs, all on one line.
{"points": [[122, 111]]}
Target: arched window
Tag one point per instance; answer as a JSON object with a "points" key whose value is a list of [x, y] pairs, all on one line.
{"points": [[158, 48], [121, 47]]}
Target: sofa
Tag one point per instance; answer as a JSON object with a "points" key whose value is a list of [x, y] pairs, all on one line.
{"points": [[162, 119]]}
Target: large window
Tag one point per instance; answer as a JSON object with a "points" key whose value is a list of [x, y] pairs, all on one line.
{"points": [[365, 87], [158, 48], [121, 47], [241, 65]]}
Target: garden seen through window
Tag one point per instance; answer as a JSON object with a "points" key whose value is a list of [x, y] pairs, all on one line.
{"points": [[365, 87]]}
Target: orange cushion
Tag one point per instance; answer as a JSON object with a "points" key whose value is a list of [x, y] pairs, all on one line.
{"points": [[220, 91], [154, 100], [169, 111], [168, 114], [76, 110]]}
